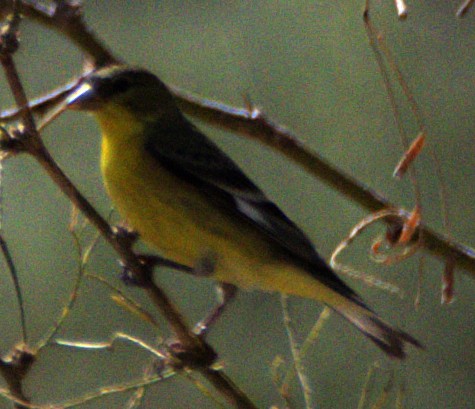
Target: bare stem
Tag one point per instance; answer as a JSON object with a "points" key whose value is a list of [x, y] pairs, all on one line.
{"points": [[13, 273]]}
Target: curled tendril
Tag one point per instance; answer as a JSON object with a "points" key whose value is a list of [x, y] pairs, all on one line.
{"points": [[386, 249]]}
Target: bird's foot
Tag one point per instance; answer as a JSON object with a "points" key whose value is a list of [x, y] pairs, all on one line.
{"points": [[150, 262], [225, 294]]}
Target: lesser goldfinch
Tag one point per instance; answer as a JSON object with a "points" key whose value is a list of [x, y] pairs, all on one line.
{"points": [[193, 204]]}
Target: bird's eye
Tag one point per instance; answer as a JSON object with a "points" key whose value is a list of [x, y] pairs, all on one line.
{"points": [[121, 85]]}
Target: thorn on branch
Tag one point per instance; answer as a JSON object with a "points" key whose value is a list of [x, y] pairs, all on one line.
{"points": [[401, 9], [448, 280], [128, 277], [14, 368], [186, 357], [9, 42], [464, 8], [12, 141], [409, 156], [67, 12], [19, 361]]}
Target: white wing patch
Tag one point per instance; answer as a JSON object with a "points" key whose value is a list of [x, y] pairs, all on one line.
{"points": [[251, 211]]}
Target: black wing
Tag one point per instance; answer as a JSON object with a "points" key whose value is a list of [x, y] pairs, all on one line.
{"points": [[190, 155]]}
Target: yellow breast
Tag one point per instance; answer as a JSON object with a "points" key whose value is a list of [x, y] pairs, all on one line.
{"points": [[169, 213]]}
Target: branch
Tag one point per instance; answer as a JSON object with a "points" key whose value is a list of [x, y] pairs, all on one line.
{"points": [[26, 138], [66, 18]]}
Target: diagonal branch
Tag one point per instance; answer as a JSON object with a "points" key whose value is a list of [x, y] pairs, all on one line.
{"points": [[256, 126]]}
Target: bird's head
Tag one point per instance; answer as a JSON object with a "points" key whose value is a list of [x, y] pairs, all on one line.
{"points": [[127, 89]]}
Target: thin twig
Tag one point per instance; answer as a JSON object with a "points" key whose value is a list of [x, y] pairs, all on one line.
{"points": [[384, 395], [109, 345], [126, 302], [420, 276], [374, 39], [315, 331], [296, 356], [299, 353], [99, 394], [83, 258], [41, 105], [368, 384], [14, 368], [14, 275], [417, 112], [400, 395], [374, 36]]}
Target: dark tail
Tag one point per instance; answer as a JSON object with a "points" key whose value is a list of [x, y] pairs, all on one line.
{"points": [[390, 340]]}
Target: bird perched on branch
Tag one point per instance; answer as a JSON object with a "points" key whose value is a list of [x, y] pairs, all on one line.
{"points": [[195, 206]]}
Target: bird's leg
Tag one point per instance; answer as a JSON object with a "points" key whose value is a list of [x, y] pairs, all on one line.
{"points": [[153, 261], [225, 293], [205, 265]]}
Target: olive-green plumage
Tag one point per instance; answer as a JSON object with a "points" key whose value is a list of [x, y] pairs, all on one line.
{"points": [[195, 206]]}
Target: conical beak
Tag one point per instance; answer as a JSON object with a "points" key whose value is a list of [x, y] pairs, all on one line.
{"points": [[83, 98]]}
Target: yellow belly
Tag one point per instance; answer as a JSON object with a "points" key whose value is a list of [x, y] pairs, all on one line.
{"points": [[177, 219]]}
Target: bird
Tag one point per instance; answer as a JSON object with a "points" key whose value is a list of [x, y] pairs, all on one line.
{"points": [[194, 205]]}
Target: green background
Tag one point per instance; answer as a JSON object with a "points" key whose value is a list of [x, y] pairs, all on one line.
{"points": [[308, 65]]}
